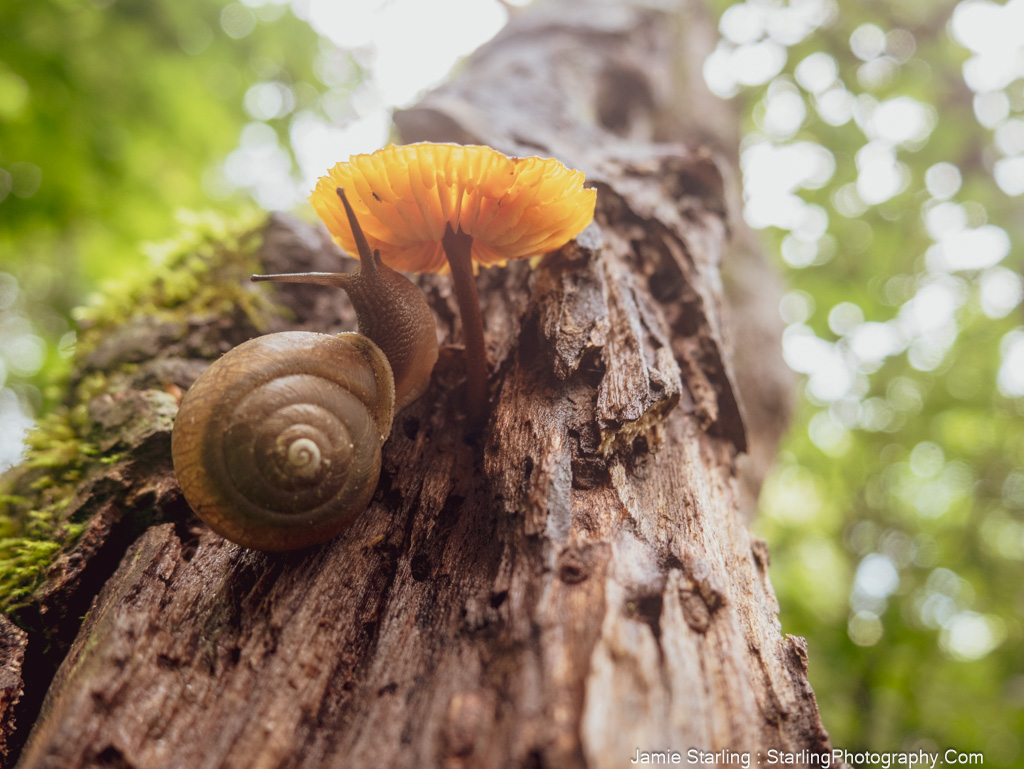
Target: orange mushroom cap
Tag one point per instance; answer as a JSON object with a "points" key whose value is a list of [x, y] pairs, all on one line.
{"points": [[404, 197]]}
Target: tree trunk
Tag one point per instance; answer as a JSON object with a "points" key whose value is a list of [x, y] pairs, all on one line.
{"points": [[573, 589]]}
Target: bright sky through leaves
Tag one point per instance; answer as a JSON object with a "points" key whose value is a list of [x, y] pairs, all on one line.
{"points": [[882, 158], [776, 169], [396, 41]]}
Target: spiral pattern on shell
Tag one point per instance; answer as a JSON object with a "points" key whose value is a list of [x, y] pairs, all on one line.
{"points": [[277, 445]]}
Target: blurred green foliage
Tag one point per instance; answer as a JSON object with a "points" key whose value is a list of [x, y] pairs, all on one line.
{"points": [[895, 513], [113, 116]]}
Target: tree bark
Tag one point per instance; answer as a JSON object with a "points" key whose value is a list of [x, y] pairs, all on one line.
{"points": [[575, 586]]}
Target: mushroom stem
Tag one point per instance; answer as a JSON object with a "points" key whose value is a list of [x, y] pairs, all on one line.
{"points": [[458, 247]]}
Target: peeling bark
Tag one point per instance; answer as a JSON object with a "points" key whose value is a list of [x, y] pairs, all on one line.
{"points": [[575, 586]]}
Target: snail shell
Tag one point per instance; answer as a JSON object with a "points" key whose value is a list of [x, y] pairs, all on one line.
{"points": [[277, 444]]}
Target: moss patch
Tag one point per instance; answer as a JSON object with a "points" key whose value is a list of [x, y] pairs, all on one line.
{"points": [[202, 274]]}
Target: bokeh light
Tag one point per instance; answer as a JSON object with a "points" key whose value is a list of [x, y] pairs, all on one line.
{"points": [[878, 161]]}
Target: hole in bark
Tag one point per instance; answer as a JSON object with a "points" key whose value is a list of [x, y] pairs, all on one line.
{"points": [[420, 567], [497, 599], [390, 688], [450, 511], [112, 757], [389, 496], [186, 527], [638, 458], [529, 343], [188, 551], [592, 368], [666, 284], [577, 563], [474, 433], [527, 468], [624, 99], [410, 427], [572, 573], [167, 662], [574, 566], [648, 609]]}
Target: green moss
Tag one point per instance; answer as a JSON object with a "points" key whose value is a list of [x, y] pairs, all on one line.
{"points": [[201, 274], [23, 561]]}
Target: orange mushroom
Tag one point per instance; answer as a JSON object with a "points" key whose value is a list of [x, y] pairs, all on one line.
{"points": [[430, 207]]}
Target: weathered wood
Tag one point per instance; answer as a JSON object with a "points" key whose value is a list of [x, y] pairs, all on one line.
{"points": [[574, 586], [12, 656]]}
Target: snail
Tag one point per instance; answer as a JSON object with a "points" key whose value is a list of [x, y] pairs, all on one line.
{"points": [[277, 445]]}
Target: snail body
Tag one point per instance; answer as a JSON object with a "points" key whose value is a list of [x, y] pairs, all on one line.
{"points": [[277, 445]]}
